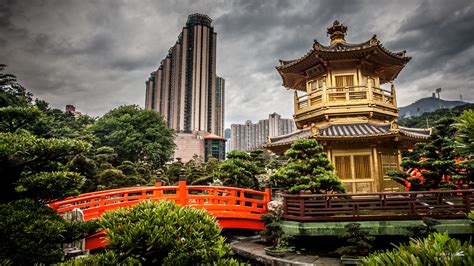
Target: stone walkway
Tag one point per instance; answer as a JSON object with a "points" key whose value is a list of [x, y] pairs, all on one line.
{"points": [[254, 251]]}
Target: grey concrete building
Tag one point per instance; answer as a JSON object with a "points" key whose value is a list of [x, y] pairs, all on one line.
{"points": [[249, 136]]}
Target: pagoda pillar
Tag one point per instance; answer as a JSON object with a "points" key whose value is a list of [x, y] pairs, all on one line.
{"points": [[325, 92], [296, 102], [394, 95], [370, 88]]}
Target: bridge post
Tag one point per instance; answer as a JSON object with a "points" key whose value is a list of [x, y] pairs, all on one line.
{"points": [[268, 195], [182, 192], [157, 193]]}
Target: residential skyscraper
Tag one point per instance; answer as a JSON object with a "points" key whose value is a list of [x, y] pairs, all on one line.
{"points": [[218, 107], [249, 136], [184, 88]]}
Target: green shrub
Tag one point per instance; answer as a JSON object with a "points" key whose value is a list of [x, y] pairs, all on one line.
{"points": [[106, 258], [358, 241], [436, 249], [32, 232], [164, 233], [424, 230], [110, 258], [470, 216], [307, 169]]}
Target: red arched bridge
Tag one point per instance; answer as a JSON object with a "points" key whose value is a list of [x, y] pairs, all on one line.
{"points": [[232, 207]]}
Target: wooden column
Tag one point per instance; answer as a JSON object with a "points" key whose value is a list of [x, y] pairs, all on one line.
{"points": [[378, 180], [324, 96], [370, 89], [296, 102], [394, 94]]}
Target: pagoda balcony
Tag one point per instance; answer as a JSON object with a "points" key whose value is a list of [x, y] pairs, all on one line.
{"points": [[332, 101]]}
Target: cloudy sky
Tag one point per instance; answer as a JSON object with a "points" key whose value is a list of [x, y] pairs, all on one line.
{"points": [[97, 55]]}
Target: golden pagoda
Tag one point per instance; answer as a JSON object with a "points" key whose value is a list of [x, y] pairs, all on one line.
{"points": [[339, 101]]}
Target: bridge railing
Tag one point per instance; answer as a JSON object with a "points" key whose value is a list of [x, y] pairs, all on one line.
{"points": [[219, 201], [378, 206]]}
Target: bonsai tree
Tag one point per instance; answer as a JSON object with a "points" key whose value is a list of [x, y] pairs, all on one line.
{"points": [[273, 232], [239, 170], [435, 160], [307, 169], [358, 241], [424, 230]]}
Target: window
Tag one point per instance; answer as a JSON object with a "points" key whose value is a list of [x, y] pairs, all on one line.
{"points": [[315, 85], [355, 172], [345, 81]]}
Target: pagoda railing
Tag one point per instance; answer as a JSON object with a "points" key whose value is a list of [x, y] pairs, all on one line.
{"points": [[349, 95], [378, 206]]}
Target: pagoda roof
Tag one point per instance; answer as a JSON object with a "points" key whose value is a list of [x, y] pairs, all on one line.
{"points": [[389, 64], [351, 131]]}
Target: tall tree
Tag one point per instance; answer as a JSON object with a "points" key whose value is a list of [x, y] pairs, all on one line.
{"points": [[37, 166], [465, 147], [11, 92], [136, 135], [436, 160], [33, 172], [307, 169], [239, 170], [465, 133]]}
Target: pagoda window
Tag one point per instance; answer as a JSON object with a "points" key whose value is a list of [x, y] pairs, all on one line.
{"points": [[344, 81], [355, 172], [315, 85]]}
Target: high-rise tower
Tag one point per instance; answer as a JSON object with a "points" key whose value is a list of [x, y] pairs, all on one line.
{"points": [[183, 88]]}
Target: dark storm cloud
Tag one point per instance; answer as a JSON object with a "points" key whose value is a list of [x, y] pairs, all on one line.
{"points": [[98, 54]]}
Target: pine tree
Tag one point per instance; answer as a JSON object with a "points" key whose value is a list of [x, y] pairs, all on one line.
{"points": [[307, 169], [436, 160]]}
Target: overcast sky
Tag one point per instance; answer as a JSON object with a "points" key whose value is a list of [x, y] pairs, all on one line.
{"points": [[97, 55]]}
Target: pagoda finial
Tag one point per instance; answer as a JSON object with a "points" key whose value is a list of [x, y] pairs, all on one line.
{"points": [[337, 32]]}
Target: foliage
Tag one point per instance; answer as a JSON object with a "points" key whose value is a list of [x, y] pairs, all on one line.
{"points": [[470, 216], [436, 160], [436, 249], [424, 230], [13, 118], [102, 171], [199, 172], [48, 186], [427, 119], [465, 133], [136, 135], [34, 233], [164, 233], [30, 163], [44, 122], [106, 258], [307, 169], [358, 241], [110, 258], [11, 92], [273, 232], [54, 123], [239, 170]]}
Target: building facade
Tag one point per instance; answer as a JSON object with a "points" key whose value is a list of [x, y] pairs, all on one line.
{"points": [[339, 100], [250, 136], [185, 88], [200, 143]]}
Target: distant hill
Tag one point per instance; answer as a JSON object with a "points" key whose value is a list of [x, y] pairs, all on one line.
{"points": [[429, 104], [429, 118]]}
